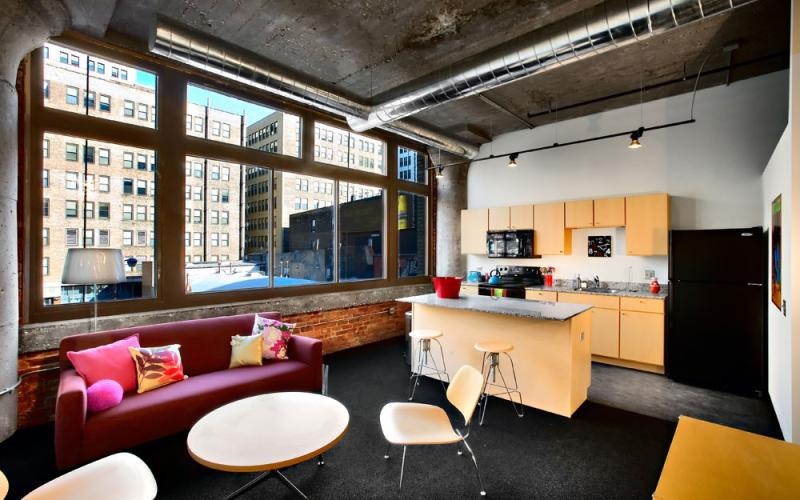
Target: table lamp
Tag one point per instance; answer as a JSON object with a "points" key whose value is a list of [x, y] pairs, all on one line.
{"points": [[93, 266]]}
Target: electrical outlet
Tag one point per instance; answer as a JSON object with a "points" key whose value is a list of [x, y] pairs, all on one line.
{"points": [[392, 310], [649, 274]]}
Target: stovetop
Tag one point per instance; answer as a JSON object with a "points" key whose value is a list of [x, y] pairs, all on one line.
{"points": [[517, 277]]}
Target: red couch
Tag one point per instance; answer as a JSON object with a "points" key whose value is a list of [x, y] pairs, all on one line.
{"points": [[205, 351]]}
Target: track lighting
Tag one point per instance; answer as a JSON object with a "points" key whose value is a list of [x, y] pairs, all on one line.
{"points": [[512, 160], [635, 135], [439, 172]]}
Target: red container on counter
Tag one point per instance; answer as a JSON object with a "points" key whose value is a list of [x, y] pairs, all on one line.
{"points": [[447, 287]]}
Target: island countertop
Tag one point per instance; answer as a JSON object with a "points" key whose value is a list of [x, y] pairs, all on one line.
{"points": [[533, 309]]}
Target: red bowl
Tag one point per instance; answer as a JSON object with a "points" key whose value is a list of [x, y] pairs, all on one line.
{"points": [[447, 287]]}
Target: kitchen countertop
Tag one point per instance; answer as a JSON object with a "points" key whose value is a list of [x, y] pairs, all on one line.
{"points": [[533, 309], [644, 293]]}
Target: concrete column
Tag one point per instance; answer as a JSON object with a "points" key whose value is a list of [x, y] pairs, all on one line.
{"points": [[24, 26], [451, 198]]}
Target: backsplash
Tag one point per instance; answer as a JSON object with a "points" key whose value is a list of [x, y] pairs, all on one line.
{"points": [[614, 268]]}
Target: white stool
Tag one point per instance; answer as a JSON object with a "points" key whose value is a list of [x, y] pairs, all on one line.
{"points": [[423, 338], [492, 351]]}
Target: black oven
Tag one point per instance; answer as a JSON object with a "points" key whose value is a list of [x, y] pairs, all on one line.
{"points": [[509, 244]]}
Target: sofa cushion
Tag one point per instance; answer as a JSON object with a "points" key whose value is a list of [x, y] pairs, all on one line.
{"points": [[157, 366], [177, 407], [276, 336], [246, 350], [111, 361]]}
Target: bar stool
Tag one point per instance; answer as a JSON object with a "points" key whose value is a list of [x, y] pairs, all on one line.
{"points": [[492, 350], [423, 339]]}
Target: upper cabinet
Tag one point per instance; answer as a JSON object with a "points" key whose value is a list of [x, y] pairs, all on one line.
{"points": [[579, 214], [474, 224], [609, 212], [516, 217], [647, 224], [551, 237]]}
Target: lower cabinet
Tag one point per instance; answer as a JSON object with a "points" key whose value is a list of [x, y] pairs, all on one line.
{"points": [[541, 295], [469, 290], [641, 337], [605, 332]]}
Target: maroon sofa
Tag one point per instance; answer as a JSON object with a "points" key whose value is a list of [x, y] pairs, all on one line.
{"points": [[205, 351]]}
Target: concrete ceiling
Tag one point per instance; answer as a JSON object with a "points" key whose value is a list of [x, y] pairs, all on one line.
{"points": [[373, 49]]}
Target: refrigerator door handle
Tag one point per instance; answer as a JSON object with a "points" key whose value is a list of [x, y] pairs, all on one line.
{"points": [[755, 284]]}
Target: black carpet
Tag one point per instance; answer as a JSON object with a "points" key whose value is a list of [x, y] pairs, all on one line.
{"points": [[601, 452]]}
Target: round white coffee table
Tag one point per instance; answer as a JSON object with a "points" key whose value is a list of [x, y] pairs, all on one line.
{"points": [[268, 433]]}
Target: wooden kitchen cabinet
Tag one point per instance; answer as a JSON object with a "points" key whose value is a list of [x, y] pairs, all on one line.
{"points": [[579, 214], [474, 224], [609, 212], [520, 217], [541, 295], [469, 289], [499, 218], [551, 237], [605, 332], [641, 337], [647, 224]]}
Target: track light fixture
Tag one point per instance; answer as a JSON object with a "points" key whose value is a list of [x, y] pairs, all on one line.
{"points": [[635, 135], [439, 172], [512, 160]]}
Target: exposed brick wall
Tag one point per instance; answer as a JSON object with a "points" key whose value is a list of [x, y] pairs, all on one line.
{"points": [[338, 329]]}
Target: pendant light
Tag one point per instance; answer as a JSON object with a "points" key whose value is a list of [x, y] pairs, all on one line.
{"points": [[638, 133], [512, 160], [440, 172], [635, 135]]}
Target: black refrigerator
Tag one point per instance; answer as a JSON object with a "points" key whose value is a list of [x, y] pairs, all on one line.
{"points": [[717, 299]]}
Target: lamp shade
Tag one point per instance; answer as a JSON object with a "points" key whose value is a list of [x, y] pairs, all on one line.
{"points": [[93, 266]]}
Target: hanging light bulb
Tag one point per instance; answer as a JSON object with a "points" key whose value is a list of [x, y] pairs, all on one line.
{"points": [[512, 160], [635, 135], [439, 172]]}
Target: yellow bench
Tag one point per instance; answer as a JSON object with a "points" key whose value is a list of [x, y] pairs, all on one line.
{"points": [[709, 461]]}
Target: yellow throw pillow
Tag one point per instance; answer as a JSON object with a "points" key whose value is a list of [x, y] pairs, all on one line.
{"points": [[246, 350], [157, 366]]}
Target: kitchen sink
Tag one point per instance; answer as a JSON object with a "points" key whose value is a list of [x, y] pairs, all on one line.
{"points": [[609, 291]]}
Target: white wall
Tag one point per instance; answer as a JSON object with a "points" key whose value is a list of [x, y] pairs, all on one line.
{"points": [[777, 178], [712, 168]]}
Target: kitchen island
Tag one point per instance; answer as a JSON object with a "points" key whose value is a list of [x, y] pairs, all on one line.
{"points": [[551, 340]]}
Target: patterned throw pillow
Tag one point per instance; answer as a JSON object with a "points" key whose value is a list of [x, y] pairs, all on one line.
{"points": [[246, 350], [157, 366], [276, 337]]}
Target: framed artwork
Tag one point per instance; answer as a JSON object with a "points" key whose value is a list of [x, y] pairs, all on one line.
{"points": [[599, 246], [776, 253]]}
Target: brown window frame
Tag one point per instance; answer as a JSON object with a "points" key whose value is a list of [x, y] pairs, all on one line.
{"points": [[172, 150]]}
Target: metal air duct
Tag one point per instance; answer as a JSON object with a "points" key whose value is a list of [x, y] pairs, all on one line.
{"points": [[609, 25], [216, 57]]}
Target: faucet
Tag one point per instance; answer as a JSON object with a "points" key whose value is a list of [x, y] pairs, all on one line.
{"points": [[596, 281], [578, 282]]}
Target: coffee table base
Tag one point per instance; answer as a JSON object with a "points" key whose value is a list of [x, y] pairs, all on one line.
{"points": [[274, 473]]}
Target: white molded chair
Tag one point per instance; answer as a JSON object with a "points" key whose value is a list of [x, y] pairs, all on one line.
{"points": [[3, 485], [121, 476], [409, 424]]}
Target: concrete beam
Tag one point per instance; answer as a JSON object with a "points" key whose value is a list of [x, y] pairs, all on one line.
{"points": [[91, 18]]}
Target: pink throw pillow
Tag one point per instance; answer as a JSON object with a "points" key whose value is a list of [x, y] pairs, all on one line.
{"points": [[111, 361], [103, 394], [276, 337]]}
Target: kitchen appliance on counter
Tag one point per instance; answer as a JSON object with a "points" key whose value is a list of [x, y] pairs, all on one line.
{"points": [[474, 277], [510, 244], [512, 281], [717, 299]]}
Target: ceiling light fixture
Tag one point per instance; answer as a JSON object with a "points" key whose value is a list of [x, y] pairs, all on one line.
{"points": [[440, 172], [512, 160], [635, 136]]}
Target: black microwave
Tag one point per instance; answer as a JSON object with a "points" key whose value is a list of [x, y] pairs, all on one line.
{"points": [[509, 244]]}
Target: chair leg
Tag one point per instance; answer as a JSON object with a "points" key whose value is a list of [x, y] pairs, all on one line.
{"points": [[402, 467], [458, 446], [388, 448], [475, 463]]}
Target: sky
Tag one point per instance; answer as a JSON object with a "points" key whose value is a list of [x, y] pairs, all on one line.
{"points": [[201, 96]]}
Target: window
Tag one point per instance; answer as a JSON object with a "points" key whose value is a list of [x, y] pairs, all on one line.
{"points": [[226, 174], [88, 100], [198, 170], [46, 236], [46, 89], [127, 238], [127, 160], [104, 210], [198, 239], [123, 74], [215, 128], [372, 160], [412, 229], [72, 95], [188, 123], [215, 195], [187, 240], [46, 266], [143, 111], [225, 217], [63, 58], [214, 239], [105, 103], [198, 124], [45, 207], [361, 215], [46, 148], [127, 212], [127, 108], [71, 180], [105, 157], [225, 196], [127, 186], [88, 210], [71, 239], [141, 161], [214, 217], [71, 208], [197, 193], [88, 154], [412, 165], [141, 187], [103, 237], [226, 130], [101, 68], [88, 238], [114, 71], [104, 183], [141, 238], [141, 212], [45, 178], [223, 239], [198, 216], [215, 173]]}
